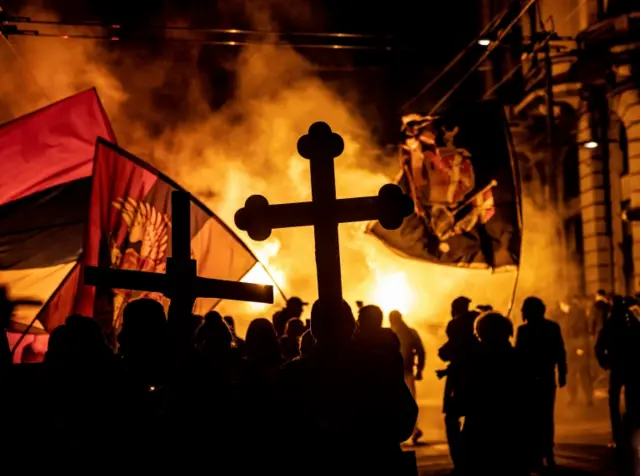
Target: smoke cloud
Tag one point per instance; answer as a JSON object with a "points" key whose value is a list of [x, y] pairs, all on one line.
{"points": [[248, 146]]}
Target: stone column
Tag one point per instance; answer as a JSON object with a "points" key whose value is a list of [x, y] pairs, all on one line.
{"points": [[615, 172], [628, 110], [597, 245]]}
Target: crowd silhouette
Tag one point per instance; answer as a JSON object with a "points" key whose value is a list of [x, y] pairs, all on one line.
{"points": [[335, 395]]}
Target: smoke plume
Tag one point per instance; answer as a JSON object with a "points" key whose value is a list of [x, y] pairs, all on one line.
{"points": [[248, 147]]}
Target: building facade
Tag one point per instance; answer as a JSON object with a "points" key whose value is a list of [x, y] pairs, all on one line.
{"points": [[584, 159]]}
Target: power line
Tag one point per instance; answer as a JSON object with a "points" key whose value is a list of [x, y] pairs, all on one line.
{"points": [[490, 49], [545, 41], [205, 41], [496, 20], [520, 65], [224, 31]]}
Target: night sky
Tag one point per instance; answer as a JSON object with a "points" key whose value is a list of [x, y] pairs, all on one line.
{"points": [[426, 35]]}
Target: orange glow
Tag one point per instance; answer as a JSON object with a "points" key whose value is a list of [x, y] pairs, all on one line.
{"points": [[392, 291], [259, 275], [249, 147]]}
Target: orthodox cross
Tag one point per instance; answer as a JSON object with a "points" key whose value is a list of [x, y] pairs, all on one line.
{"points": [[181, 282], [324, 212]]}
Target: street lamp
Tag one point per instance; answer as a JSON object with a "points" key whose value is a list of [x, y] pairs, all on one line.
{"points": [[484, 41], [590, 144]]}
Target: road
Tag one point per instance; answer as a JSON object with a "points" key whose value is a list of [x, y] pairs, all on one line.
{"points": [[582, 436]]}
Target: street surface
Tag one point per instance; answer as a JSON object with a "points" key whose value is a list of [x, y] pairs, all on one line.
{"points": [[582, 436]]}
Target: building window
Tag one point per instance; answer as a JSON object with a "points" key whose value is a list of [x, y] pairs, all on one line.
{"points": [[624, 149], [571, 173]]}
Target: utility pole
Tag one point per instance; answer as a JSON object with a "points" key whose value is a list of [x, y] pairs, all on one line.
{"points": [[551, 124]]}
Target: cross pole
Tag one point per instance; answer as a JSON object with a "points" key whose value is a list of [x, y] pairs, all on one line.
{"points": [[181, 282], [321, 146]]}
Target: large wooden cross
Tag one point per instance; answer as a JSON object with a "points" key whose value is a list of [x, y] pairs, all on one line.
{"points": [[181, 282], [321, 146]]}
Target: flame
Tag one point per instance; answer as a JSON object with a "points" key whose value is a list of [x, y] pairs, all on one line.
{"points": [[259, 275], [248, 147], [392, 291]]}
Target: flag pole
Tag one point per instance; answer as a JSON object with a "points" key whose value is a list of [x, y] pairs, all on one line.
{"points": [[517, 187], [514, 291]]}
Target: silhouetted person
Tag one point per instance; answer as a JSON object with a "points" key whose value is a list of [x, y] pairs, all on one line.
{"points": [[614, 351], [218, 385], [145, 355], [210, 324], [542, 353], [632, 392], [293, 310], [30, 355], [413, 357], [262, 411], [370, 319], [290, 341], [86, 342], [307, 343], [575, 329], [372, 336], [348, 410], [238, 343], [263, 349], [84, 391], [215, 339], [458, 351], [600, 309], [143, 342], [492, 430]]}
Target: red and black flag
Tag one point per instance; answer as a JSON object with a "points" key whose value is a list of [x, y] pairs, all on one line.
{"points": [[129, 227], [460, 170], [46, 159]]}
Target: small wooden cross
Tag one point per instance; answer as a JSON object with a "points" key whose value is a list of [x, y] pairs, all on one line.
{"points": [[321, 146], [181, 282]]}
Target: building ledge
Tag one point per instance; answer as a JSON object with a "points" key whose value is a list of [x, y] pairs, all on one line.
{"points": [[568, 92]]}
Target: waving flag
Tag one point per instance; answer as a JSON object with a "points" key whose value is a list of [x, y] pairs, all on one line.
{"points": [[46, 159], [459, 169], [129, 228]]}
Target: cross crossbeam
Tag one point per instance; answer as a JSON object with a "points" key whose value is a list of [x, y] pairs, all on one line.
{"points": [[324, 212], [181, 282]]}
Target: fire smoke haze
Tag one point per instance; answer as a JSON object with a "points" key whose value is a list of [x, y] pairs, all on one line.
{"points": [[249, 147]]}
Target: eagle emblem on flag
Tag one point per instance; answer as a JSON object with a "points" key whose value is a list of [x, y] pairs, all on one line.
{"points": [[143, 246], [442, 180]]}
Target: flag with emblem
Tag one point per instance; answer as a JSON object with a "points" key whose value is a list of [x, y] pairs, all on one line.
{"points": [[129, 227], [460, 170], [46, 158]]}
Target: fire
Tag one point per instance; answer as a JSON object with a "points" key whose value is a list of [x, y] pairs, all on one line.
{"points": [[259, 275], [392, 291]]}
